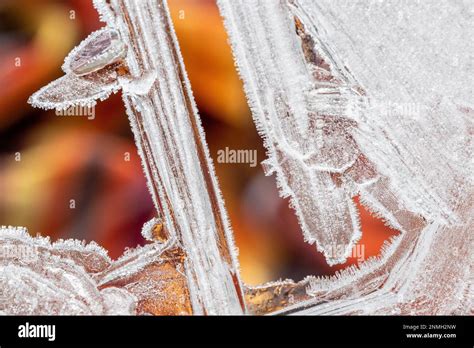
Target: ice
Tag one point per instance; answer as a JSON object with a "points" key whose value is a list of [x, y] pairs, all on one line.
{"points": [[155, 275], [334, 121], [69, 277], [299, 98], [362, 98], [71, 90], [37, 277], [138, 86], [101, 48], [93, 70], [137, 52], [174, 153], [153, 230], [118, 301], [91, 73], [369, 99]]}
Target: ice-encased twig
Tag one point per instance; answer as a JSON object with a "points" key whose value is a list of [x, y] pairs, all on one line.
{"points": [[138, 53], [336, 124], [174, 153]]}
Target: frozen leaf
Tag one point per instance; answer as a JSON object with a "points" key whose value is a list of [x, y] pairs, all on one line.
{"points": [[92, 70]]}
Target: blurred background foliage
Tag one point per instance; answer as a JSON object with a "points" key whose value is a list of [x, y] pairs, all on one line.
{"points": [[70, 177]]}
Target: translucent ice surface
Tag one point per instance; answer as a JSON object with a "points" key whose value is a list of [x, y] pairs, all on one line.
{"points": [[370, 99], [359, 98]]}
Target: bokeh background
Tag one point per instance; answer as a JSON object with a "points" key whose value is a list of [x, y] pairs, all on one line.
{"points": [[46, 161]]}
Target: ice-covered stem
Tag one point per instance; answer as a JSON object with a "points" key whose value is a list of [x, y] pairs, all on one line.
{"points": [[174, 153]]}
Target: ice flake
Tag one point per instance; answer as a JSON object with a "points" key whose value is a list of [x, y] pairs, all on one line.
{"points": [[92, 70]]}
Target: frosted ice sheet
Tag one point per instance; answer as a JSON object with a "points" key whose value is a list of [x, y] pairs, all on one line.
{"points": [[298, 99], [352, 99], [37, 277]]}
